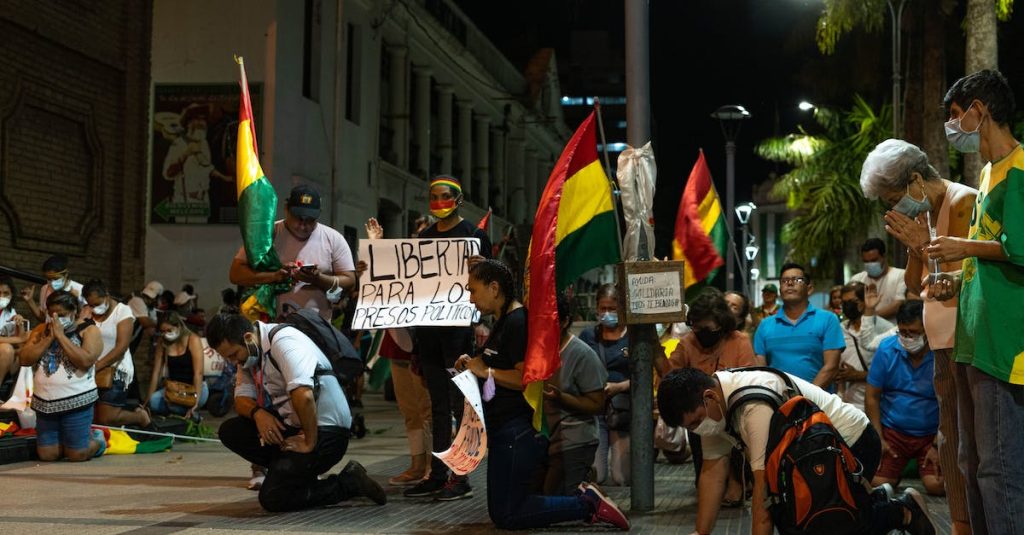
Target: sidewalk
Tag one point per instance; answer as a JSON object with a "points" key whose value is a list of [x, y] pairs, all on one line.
{"points": [[200, 488]]}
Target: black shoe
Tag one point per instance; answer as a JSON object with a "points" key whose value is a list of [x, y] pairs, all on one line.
{"points": [[426, 488], [920, 522], [356, 474], [456, 489]]}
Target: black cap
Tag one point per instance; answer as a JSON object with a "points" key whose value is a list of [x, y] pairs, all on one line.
{"points": [[304, 201]]}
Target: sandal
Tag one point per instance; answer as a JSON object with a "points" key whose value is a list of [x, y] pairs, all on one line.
{"points": [[731, 504]]}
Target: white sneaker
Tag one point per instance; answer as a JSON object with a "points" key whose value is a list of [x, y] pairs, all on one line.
{"points": [[258, 475]]}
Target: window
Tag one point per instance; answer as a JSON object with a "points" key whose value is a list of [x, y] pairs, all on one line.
{"points": [[311, 38], [353, 80]]}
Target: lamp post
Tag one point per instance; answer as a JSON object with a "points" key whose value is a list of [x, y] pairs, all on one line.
{"points": [[743, 213], [731, 118], [896, 14]]}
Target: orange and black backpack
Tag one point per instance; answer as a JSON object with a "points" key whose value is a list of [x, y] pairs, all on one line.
{"points": [[813, 479]]}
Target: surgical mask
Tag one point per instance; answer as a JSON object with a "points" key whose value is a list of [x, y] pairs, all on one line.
{"points": [[443, 209], [57, 284], [874, 269], [707, 338], [66, 322], [172, 335], [660, 328], [851, 311], [966, 142], [254, 355], [912, 344], [910, 206], [250, 362], [100, 310], [609, 319], [4, 301], [710, 426], [334, 294], [489, 388]]}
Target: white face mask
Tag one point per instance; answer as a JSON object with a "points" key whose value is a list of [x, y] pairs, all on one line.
{"points": [[66, 322], [100, 310], [57, 284], [4, 301], [710, 426], [172, 335], [913, 344]]}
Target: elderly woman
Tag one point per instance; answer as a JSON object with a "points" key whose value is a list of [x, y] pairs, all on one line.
{"points": [[898, 174]]}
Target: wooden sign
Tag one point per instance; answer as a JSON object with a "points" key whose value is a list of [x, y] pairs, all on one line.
{"points": [[652, 292]]}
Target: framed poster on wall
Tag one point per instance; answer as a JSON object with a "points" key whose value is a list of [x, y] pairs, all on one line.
{"points": [[192, 179]]}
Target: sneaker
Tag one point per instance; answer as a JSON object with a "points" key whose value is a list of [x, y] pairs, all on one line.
{"points": [[426, 488], [457, 488], [883, 493], [355, 473], [920, 521], [258, 475], [605, 510]]}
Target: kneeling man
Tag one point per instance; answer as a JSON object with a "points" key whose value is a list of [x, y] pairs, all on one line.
{"points": [[305, 430]]}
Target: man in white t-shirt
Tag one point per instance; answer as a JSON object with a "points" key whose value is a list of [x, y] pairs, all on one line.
{"points": [[56, 271], [315, 256], [700, 402], [888, 280]]}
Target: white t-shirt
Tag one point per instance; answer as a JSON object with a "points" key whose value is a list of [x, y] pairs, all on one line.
{"points": [[140, 309], [873, 330], [296, 358], [753, 420], [108, 329], [7, 327], [891, 287], [326, 248]]}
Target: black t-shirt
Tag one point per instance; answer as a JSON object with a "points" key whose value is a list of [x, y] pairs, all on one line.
{"points": [[505, 348], [464, 229]]}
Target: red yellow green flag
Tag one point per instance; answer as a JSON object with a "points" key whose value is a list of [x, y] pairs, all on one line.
{"points": [[257, 205], [701, 236], [574, 231]]}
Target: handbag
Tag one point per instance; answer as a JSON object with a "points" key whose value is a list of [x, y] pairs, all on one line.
{"points": [[105, 377], [618, 412], [180, 393]]}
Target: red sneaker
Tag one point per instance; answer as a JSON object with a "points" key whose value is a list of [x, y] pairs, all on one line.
{"points": [[605, 510]]}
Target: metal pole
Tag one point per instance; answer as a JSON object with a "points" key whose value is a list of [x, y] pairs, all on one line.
{"points": [[643, 340], [896, 16], [730, 210], [746, 263]]}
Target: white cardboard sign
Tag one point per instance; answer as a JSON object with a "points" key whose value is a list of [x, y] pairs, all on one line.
{"points": [[654, 293]]}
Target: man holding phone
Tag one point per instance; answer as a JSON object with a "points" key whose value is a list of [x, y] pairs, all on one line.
{"points": [[314, 256]]}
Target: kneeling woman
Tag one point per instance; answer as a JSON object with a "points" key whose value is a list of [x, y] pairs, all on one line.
{"points": [[182, 351], [515, 449], [63, 354]]}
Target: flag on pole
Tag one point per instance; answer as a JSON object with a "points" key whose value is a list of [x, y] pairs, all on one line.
{"points": [[574, 231], [257, 206], [482, 225], [701, 236]]}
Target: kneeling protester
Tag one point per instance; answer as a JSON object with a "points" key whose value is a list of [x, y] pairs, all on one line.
{"points": [[293, 416], [811, 454]]}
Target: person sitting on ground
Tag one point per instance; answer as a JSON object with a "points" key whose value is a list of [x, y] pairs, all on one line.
{"points": [[305, 432], [515, 449], [63, 354], [863, 330], [572, 397], [181, 350], [115, 322], [701, 402], [12, 330], [901, 402], [56, 271]]}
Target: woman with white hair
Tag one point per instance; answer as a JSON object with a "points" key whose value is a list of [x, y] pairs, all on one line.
{"points": [[898, 173]]}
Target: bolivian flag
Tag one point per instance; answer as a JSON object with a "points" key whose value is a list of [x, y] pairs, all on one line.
{"points": [[700, 234], [574, 231], [257, 205]]}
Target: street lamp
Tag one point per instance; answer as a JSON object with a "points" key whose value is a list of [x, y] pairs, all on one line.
{"points": [[730, 117], [806, 106]]}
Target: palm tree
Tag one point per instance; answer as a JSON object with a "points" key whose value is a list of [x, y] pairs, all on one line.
{"points": [[823, 188]]}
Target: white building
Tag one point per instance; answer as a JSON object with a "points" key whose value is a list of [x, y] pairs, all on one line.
{"points": [[366, 101]]}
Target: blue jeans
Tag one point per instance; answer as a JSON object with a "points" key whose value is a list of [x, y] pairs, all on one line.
{"points": [[516, 454], [159, 405], [991, 416], [69, 430]]}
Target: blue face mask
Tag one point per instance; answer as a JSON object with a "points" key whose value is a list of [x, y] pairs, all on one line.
{"points": [[874, 269], [910, 206], [966, 142], [609, 319]]}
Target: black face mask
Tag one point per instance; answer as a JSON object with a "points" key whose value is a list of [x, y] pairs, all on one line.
{"points": [[708, 339], [851, 311]]}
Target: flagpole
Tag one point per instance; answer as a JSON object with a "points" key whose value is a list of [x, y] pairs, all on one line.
{"points": [[608, 175], [732, 243]]}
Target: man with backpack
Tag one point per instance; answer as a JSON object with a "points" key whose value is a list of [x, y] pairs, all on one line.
{"points": [[809, 452], [305, 430]]}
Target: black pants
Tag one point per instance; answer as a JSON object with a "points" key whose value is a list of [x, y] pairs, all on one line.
{"points": [[291, 482], [884, 515], [439, 348]]}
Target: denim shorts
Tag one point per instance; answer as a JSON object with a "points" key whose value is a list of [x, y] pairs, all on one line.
{"points": [[116, 395], [69, 429]]}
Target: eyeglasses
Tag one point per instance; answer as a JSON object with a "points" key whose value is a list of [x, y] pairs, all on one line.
{"points": [[792, 281]]}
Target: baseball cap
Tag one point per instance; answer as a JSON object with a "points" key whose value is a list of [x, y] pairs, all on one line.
{"points": [[153, 289], [771, 288], [304, 201], [182, 298]]}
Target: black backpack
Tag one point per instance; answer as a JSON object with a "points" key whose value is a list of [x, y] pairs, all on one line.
{"points": [[346, 364], [813, 479]]}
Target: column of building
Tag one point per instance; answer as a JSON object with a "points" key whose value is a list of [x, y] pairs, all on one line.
{"points": [[398, 121], [444, 127], [421, 88], [481, 160]]}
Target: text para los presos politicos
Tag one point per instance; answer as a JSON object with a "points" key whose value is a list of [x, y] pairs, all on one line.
{"points": [[387, 317]]}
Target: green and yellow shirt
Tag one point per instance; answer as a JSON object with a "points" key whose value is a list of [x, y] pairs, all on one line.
{"points": [[989, 334]]}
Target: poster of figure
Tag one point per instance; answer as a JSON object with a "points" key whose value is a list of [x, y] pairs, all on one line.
{"points": [[193, 174]]}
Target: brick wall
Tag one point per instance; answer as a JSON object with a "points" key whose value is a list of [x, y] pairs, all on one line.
{"points": [[74, 103]]}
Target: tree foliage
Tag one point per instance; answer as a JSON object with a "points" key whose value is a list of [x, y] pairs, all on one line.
{"points": [[823, 188]]}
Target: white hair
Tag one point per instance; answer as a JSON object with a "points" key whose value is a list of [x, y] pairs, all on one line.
{"points": [[891, 165]]}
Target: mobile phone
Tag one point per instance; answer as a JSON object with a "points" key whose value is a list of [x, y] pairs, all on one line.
{"points": [[309, 268], [24, 326]]}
